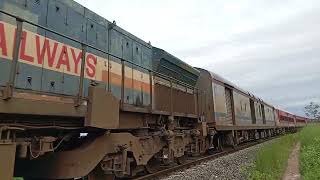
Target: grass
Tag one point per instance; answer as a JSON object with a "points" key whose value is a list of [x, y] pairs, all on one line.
{"points": [[271, 160], [310, 152]]}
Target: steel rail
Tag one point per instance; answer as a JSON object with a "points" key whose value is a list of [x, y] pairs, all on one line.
{"points": [[166, 172]]}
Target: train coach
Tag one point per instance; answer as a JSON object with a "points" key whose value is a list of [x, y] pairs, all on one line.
{"points": [[82, 97], [300, 121], [286, 120], [235, 114]]}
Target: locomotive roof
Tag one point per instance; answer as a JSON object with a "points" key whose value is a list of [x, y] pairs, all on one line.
{"points": [[100, 20], [160, 53], [168, 64]]}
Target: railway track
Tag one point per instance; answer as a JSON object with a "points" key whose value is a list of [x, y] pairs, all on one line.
{"points": [[192, 162]]}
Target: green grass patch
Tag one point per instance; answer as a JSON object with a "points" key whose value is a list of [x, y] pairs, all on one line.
{"points": [[271, 160], [310, 152]]}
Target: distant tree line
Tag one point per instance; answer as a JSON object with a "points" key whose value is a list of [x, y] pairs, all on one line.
{"points": [[312, 110]]}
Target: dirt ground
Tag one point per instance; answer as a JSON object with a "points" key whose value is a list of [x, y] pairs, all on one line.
{"points": [[292, 171]]}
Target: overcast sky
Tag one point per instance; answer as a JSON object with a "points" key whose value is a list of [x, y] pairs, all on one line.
{"points": [[269, 47]]}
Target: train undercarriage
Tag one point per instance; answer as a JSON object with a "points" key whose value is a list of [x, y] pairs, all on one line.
{"points": [[53, 147], [121, 154]]}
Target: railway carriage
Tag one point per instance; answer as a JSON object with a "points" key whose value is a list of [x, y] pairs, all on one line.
{"points": [[234, 113], [81, 97], [300, 121], [230, 105], [286, 120]]}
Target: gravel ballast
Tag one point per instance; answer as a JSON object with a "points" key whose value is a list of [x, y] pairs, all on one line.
{"points": [[226, 167]]}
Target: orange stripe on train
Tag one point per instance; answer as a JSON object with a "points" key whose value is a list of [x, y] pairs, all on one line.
{"points": [[56, 56], [129, 83]]}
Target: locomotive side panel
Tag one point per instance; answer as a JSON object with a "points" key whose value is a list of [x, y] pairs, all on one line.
{"points": [[54, 64], [7, 39], [177, 96], [182, 96], [33, 12], [175, 87], [161, 96]]}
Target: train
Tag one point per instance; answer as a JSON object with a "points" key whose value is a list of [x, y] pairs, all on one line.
{"points": [[83, 98]]}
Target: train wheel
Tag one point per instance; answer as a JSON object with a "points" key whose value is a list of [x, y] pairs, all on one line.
{"points": [[153, 166], [181, 160], [98, 174], [219, 143]]}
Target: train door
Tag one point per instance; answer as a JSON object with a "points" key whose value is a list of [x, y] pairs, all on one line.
{"points": [[229, 106], [263, 114], [253, 112]]}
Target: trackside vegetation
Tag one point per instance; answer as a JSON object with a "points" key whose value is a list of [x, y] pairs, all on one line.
{"points": [[271, 160], [310, 152]]}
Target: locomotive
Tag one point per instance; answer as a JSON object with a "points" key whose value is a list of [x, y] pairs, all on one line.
{"points": [[82, 97]]}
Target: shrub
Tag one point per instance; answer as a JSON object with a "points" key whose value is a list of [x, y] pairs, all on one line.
{"points": [[310, 152]]}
